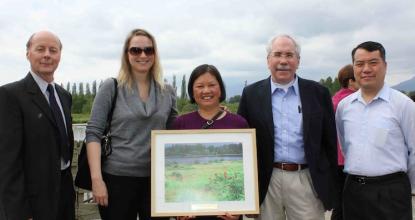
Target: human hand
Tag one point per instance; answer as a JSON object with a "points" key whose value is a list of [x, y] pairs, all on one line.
{"points": [[185, 217], [228, 216], [99, 192], [252, 215]]}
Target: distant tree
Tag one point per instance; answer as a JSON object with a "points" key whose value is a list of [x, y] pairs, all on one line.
{"points": [[94, 88], [68, 87], [332, 85], [78, 102], [189, 107], [74, 89], [81, 89], [174, 83], [335, 87], [87, 89], [235, 99], [183, 93]]}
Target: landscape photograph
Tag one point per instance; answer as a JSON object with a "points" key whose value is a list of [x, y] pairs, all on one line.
{"points": [[204, 172]]}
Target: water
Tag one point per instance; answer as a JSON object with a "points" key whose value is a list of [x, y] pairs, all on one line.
{"points": [[201, 159]]}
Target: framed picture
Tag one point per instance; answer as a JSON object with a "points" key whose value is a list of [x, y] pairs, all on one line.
{"points": [[203, 172]]}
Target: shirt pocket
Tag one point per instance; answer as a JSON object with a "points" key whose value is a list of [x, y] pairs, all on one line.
{"points": [[380, 136], [382, 131]]}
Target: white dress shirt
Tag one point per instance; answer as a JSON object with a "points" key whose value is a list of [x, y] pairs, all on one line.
{"points": [[43, 87], [378, 137]]}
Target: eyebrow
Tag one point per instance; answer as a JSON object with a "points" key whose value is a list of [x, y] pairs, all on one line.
{"points": [[373, 59]]}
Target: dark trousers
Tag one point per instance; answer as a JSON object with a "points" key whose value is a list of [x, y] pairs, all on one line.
{"points": [[66, 209], [337, 213], [127, 198], [385, 197]]}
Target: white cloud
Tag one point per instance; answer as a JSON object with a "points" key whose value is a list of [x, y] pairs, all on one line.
{"points": [[229, 34]]}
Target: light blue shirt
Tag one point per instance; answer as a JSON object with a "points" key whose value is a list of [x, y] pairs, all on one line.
{"points": [[288, 124], [378, 137], [43, 85]]}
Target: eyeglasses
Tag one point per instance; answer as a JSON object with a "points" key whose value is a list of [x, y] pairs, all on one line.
{"points": [[280, 55], [137, 51]]}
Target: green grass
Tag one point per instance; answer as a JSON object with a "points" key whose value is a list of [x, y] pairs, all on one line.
{"points": [[80, 118], [216, 181]]}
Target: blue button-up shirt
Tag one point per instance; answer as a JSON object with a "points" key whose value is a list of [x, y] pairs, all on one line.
{"points": [[288, 124], [378, 137]]}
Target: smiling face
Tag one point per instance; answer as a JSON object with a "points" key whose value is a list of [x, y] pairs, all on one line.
{"points": [[369, 70], [140, 63], [44, 54], [206, 91], [283, 60]]}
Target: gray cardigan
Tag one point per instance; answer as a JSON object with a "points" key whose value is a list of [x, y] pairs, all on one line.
{"points": [[131, 126]]}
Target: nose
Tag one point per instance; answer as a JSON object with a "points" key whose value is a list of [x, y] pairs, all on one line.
{"points": [[47, 53], [366, 67], [283, 60], [143, 54], [205, 89]]}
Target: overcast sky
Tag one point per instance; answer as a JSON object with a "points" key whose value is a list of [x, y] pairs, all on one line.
{"points": [[230, 34]]}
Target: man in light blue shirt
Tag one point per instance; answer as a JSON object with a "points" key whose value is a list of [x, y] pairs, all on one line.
{"points": [[376, 127]]}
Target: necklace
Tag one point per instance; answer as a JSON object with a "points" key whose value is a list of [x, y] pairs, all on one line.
{"points": [[211, 121]]}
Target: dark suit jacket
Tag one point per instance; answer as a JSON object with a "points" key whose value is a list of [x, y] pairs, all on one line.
{"points": [[30, 163], [319, 133]]}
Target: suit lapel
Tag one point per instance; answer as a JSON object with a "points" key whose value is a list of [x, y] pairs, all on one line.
{"points": [[305, 97], [38, 98], [265, 93]]}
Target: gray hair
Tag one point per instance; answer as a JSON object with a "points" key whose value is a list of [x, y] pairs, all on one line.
{"points": [[296, 45]]}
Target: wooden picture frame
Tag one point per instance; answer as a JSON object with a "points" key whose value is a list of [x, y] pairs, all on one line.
{"points": [[203, 172]]}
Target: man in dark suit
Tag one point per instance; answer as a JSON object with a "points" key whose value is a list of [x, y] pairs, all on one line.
{"points": [[296, 138], [36, 141]]}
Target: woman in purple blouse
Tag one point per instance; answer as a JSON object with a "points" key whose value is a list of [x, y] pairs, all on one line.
{"points": [[207, 90]]}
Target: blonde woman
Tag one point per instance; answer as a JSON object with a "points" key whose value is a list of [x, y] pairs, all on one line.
{"points": [[121, 186]]}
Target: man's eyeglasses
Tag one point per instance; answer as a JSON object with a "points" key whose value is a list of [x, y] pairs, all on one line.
{"points": [[280, 55], [137, 51]]}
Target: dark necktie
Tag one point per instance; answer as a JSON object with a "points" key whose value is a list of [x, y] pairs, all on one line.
{"points": [[63, 137]]}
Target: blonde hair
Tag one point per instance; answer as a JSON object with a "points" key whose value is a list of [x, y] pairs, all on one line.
{"points": [[125, 75]]}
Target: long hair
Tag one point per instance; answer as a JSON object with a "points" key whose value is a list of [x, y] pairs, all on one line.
{"points": [[125, 75]]}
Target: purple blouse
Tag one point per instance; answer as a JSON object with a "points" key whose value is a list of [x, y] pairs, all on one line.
{"points": [[193, 120]]}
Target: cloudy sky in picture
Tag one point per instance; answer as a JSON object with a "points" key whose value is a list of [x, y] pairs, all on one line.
{"points": [[230, 34]]}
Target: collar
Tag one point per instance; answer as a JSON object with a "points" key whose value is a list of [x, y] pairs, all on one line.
{"points": [[293, 84], [43, 85], [383, 94]]}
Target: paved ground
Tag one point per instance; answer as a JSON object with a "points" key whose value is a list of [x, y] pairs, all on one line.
{"points": [[90, 212]]}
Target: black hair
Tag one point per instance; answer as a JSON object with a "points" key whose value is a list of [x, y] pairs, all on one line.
{"points": [[371, 46], [200, 70]]}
